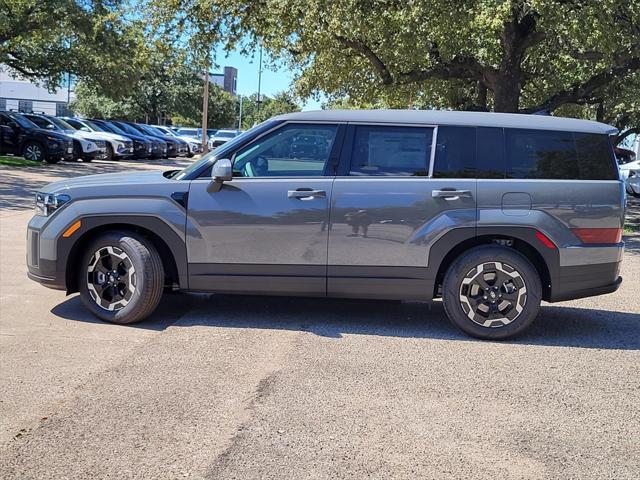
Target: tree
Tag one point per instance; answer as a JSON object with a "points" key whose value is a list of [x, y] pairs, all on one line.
{"points": [[168, 87], [282, 102], [44, 40], [505, 55]]}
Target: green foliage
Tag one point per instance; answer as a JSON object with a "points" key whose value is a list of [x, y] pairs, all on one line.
{"points": [[504, 55], [46, 39], [282, 102], [168, 87]]}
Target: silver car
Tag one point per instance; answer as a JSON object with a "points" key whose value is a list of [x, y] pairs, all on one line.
{"points": [[492, 213]]}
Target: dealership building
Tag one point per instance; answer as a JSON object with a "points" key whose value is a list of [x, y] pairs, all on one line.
{"points": [[20, 95]]}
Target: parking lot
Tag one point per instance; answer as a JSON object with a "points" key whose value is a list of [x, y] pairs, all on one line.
{"points": [[218, 386]]}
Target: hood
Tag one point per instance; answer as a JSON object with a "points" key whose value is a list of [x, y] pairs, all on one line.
{"points": [[96, 183], [188, 139], [82, 135], [51, 133], [109, 136]]}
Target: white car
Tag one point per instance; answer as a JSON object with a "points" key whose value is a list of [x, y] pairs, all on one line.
{"points": [[86, 146], [195, 145], [632, 183], [222, 136], [627, 163], [117, 146]]}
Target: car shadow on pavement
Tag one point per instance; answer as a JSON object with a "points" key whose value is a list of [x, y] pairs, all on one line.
{"points": [[555, 326]]}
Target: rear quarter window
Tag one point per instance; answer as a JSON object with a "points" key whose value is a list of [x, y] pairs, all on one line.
{"points": [[596, 160]]}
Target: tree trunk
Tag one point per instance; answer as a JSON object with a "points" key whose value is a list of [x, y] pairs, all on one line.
{"points": [[506, 93]]}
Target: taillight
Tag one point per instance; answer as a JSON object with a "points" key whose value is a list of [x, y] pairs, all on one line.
{"points": [[598, 235]]}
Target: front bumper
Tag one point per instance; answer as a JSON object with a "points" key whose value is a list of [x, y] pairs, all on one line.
{"points": [[99, 154], [42, 263]]}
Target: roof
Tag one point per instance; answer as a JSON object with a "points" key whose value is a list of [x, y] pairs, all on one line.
{"points": [[446, 117]]}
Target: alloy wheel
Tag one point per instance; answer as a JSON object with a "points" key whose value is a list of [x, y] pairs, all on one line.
{"points": [[493, 294], [111, 278], [33, 152]]}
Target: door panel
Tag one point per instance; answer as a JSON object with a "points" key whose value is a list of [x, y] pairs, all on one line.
{"points": [[252, 236], [382, 228]]}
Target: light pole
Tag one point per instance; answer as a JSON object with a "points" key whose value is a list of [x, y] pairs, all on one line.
{"points": [[258, 100], [205, 105], [240, 116]]}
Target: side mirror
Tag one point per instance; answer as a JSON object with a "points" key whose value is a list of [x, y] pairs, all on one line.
{"points": [[50, 127], [85, 129], [222, 171]]}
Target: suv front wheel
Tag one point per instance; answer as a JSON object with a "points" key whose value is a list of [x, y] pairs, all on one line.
{"points": [[492, 292], [121, 277]]}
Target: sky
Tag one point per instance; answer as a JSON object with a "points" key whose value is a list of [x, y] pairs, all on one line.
{"points": [[272, 82]]}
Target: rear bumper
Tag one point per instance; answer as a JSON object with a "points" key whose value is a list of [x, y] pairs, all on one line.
{"points": [[583, 281]]}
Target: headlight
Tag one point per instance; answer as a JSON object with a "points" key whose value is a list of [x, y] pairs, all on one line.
{"points": [[47, 203]]}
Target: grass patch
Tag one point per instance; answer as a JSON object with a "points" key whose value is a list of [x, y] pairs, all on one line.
{"points": [[17, 162], [631, 228]]}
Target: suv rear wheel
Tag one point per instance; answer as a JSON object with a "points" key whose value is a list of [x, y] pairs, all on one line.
{"points": [[121, 277], [492, 292]]}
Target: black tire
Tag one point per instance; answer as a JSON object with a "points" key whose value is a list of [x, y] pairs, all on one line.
{"points": [[109, 154], [77, 152], [147, 278], [512, 305], [35, 152]]}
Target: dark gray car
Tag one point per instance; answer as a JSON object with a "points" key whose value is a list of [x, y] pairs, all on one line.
{"points": [[490, 212]]}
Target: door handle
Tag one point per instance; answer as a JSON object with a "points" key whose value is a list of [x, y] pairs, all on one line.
{"points": [[450, 194], [303, 194]]}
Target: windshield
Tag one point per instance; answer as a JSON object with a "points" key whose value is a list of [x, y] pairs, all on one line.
{"points": [[114, 128], [94, 126], [226, 134], [189, 132], [43, 123], [129, 128], [24, 122], [60, 123], [225, 149]]}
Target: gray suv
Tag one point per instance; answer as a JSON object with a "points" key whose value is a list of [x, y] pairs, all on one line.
{"points": [[490, 212]]}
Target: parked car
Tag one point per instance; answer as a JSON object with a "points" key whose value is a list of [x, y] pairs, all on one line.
{"points": [[222, 136], [195, 145], [142, 148], [20, 136], [172, 143], [627, 162], [182, 146], [85, 146], [632, 183], [159, 147], [490, 212], [118, 146]]}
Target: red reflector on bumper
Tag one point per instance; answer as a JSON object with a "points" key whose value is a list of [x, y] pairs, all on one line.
{"points": [[545, 240], [598, 235]]}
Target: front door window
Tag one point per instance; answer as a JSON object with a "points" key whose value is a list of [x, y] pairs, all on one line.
{"points": [[295, 150]]}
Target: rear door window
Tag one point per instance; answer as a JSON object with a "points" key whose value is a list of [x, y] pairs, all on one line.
{"points": [[490, 154], [539, 154], [455, 153], [391, 151]]}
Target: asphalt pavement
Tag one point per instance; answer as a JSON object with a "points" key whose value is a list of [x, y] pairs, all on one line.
{"points": [[241, 387]]}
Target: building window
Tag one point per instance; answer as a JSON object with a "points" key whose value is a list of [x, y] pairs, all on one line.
{"points": [[62, 110], [25, 106], [3, 104]]}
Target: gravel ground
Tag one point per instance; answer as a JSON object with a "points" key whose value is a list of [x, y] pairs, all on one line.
{"points": [[249, 387]]}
